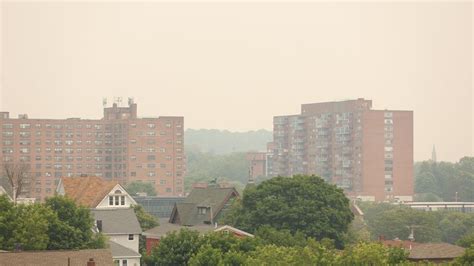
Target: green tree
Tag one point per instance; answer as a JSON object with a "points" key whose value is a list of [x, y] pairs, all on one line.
{"points": [[140, 187], [176, 248], [301, 203], [283, 237], [206, 256], [28, 227], [467, 258], [467, 240], [365, 254], [72, 229]]}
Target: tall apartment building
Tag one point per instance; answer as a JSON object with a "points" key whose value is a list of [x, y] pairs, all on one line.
{"points": [[368, 153], [120, 146]]}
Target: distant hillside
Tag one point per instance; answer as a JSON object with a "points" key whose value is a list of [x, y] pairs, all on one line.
{"points": [[223, 141]]}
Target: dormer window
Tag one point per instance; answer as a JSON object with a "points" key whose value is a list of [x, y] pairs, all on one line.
{"points": [[117, 198]]}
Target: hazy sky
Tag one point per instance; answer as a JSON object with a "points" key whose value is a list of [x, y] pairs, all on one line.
{"points": [[236, 65]]}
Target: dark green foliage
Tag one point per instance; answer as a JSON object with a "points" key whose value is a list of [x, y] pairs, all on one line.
{"points": [[467, 258], [135, 187], [72, 229], [206, 256], [466, 240], [176, 248], [442, 180], [269, 235], [302, 203], [146, 220], [57, 224]]}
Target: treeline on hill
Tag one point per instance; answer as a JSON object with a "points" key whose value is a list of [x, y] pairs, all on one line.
{"points": [[204, 167], [224, 142], [445, 181], [56, 224]]}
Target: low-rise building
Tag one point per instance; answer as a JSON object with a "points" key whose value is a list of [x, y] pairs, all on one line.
{"points": [[85, 257], [111, 208]]}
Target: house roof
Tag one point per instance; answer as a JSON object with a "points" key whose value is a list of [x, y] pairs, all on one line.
{"points": [[424, 251], [121, 251], [406, 244], [166, 227], [87, 191], [234, 230], [117, 221], [214, 198], [102, 257]]}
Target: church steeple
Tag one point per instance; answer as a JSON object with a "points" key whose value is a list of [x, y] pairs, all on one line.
{"points": [[433, 154]]}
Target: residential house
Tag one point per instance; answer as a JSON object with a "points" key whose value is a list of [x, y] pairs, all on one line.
{"points": [[200, 211], [111, 207], [203, 206], [123, 230], [20, 200], [435, 252], [154, 235], [85, 257], [432, 252], [94, 192]]}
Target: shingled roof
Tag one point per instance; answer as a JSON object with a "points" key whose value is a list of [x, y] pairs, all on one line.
{"points": [[435, 251], [117, 221], [214, 198], [102, 257], [87, 191]]}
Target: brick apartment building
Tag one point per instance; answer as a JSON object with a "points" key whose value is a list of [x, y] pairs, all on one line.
{"points": [[367, 152], [120, 146]]}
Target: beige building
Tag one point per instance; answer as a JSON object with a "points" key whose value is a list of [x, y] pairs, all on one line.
{"points": [[120, 146]]}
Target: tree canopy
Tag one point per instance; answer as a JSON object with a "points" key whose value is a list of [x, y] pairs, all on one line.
{"points": [[444, 181], [189, 248], [57, 224], [305, 204]]}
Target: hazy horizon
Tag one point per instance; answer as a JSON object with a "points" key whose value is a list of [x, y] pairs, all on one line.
{"points": [[233, 66]]}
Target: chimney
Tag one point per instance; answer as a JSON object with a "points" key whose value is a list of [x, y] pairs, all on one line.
{"points": [[91, 262]]}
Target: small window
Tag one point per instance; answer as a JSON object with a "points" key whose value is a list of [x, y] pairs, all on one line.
{"points": [[111, 200], [116, 200], [122, 200], [116, 263], [202, 210], [130, 237]]}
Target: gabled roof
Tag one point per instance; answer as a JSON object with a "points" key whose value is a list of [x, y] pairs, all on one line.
{"points": [[213, 198], [87, 191], [233, 230], [166, 227], [117, 221], [102, 257], [119, 251], [428, 251]]}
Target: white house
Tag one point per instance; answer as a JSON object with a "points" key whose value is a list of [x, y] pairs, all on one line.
{"points": [[110, 206]]}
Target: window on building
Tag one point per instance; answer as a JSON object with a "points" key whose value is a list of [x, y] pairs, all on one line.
{"points": [[202, 210], [122, 200], [124, 263], [111, 200], [130, 237]]}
